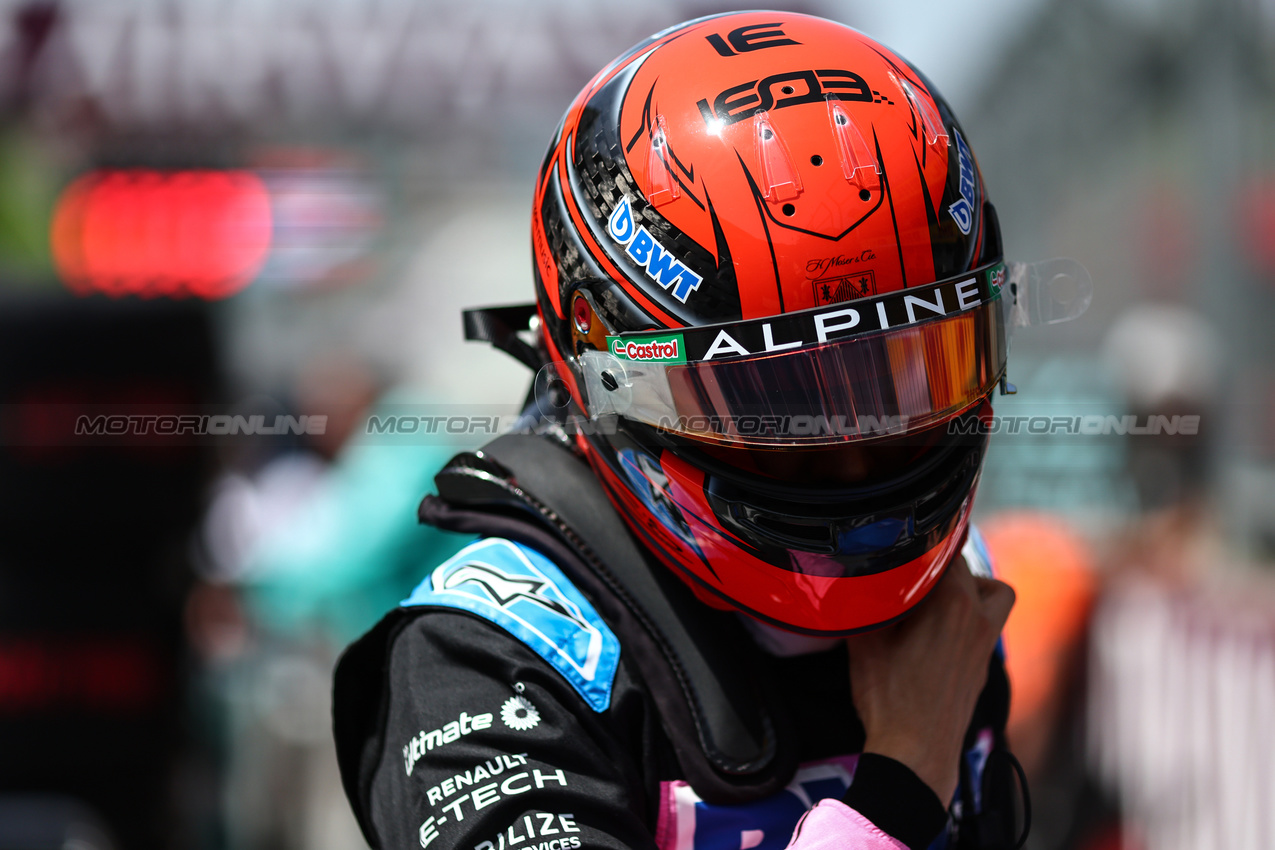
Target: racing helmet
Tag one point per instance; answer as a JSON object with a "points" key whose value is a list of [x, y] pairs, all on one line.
{"points": [[769, 285]]}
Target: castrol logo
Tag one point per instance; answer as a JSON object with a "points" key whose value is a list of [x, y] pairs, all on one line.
{"points": [[647, 350], [650, 349]]}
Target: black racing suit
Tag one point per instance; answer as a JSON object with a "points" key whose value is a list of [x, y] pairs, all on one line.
{"points": [[498, 709]]}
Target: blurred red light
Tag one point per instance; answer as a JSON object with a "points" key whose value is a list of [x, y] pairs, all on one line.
{"points": [[152, 233], [96, 673], [1257, 223]]}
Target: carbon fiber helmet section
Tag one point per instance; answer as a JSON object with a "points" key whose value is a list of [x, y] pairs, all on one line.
{"points": [[733, 169]]}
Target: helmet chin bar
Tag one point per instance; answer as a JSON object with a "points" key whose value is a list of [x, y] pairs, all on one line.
{"points": [[833, 530], [669, 504], [849, 537]]}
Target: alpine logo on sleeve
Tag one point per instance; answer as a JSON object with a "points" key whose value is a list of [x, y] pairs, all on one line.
{"points": [[525, 594]]}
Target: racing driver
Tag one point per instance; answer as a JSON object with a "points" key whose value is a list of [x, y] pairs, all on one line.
{"points": [[725, 592]]}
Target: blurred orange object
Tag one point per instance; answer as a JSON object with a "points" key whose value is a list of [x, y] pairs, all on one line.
{"points": [[1051, 570], [149, 233]]}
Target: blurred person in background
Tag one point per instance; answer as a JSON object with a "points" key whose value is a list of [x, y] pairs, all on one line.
{"points": [[1182, 661], [710, 213], [1166, 359], [303, 546], [1126, 615]]}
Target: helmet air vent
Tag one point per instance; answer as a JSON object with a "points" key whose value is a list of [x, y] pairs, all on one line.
{"points": [[857, 162], [931, 122], [778, 174], [661, 187]]}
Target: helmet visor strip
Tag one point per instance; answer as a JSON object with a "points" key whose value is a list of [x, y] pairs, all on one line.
{"points": [[850, 371], [868, 368]]}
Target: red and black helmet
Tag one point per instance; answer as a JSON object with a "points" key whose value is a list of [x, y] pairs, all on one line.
{"points": [[768, 271]]}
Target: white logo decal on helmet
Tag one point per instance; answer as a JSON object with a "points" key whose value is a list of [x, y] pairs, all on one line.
{"points": [[640, 245], [963, 210]]}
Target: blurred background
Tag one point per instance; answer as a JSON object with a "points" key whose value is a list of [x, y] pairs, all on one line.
{"points": [[271, 211]]}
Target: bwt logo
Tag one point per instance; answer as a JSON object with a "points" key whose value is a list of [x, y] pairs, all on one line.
{"points": [[640, 245], [963, 210]]}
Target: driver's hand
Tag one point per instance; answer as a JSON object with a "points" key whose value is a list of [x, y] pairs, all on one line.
{"points": [[915, 684]]}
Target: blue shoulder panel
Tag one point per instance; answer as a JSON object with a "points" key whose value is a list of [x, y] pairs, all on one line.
{"points": [[525, 594]]}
